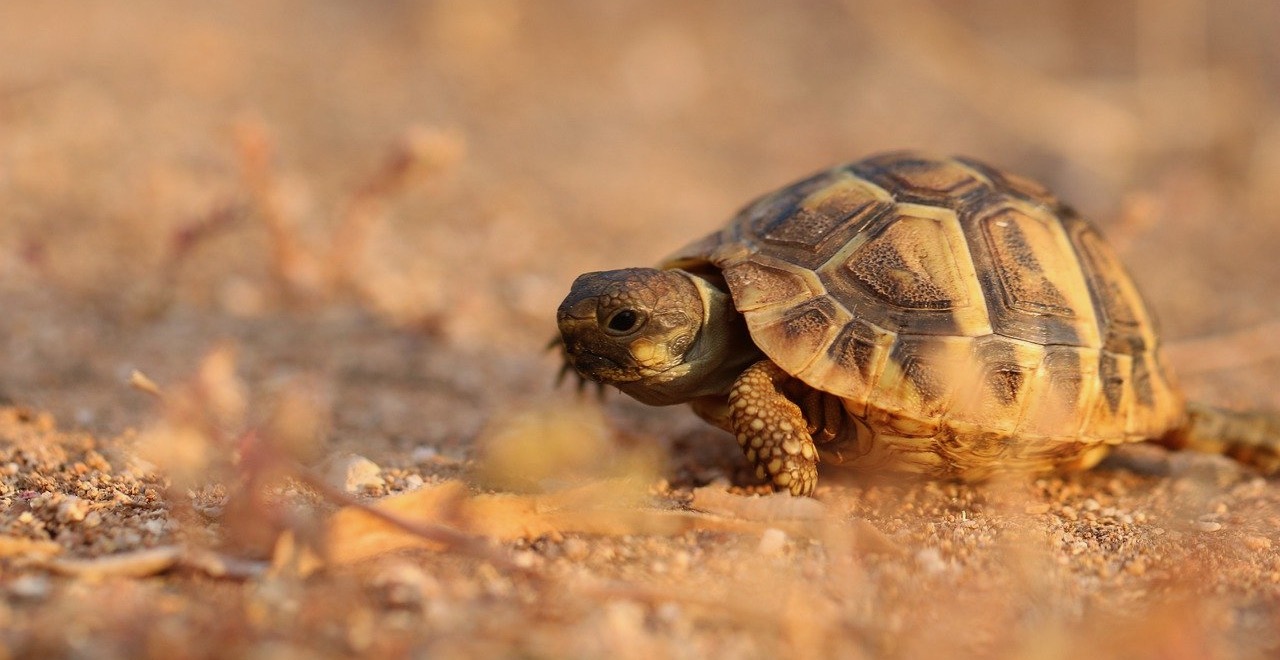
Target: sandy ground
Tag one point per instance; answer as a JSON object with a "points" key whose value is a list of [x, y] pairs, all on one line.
{"points": [[327, 229]]}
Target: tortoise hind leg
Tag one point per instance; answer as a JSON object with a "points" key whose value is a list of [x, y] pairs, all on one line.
{"points": [[772, 430], [1253, 438]]}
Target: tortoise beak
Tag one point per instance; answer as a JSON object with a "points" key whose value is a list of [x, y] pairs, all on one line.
{"points": [[591, 362], [593, 355], [593, 367]]}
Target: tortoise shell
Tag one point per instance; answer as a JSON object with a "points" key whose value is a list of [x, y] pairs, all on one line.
{"points": [[965, 317]]}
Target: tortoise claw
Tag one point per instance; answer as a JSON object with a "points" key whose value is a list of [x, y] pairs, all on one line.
{"points": [[584, 383], [565, 368], [564, 371]]}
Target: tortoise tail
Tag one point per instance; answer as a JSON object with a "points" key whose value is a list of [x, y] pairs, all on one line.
{"points": [[1253, 438]]}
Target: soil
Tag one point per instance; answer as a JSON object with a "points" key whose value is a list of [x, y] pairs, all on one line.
{"points": [[330, 238]]}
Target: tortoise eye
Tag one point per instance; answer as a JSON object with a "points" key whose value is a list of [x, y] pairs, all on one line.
{"points": [[623, 321]]}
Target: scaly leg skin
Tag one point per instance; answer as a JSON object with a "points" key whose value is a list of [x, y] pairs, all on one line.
{"points": [[771, 429], [1253, 438]]}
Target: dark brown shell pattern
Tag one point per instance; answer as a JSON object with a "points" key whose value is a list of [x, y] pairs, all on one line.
{"points": [[968, 320]]}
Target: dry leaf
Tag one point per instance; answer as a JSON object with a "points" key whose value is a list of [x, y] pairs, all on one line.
{"points": [[869, 538], [763, 508], [140, 563], [291, 557], [606, 508], [14, 546], [353, 534]]}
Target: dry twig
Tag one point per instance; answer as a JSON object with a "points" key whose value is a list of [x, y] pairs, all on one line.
{"points": [[302, 270], [293, 265], [208, 410], [418, 150], [451, 538]]}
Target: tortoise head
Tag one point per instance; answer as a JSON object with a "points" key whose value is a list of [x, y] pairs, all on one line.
{"points": [[661, 336]]}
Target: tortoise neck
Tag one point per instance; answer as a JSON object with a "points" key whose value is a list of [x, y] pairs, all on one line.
{"points": [[724, 347]]}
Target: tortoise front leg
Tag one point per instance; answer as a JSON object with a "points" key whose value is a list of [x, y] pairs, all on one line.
{"points": [[771, 429]]}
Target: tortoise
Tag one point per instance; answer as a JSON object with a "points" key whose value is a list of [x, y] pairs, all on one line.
{"points": [[901, 313]]}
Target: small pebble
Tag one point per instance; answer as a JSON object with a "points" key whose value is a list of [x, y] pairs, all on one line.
{"points": [[30, 587], [1207, 526], [772, 541], [576, 549], [154, 526], [404, 585], [930, 560], [72, 509], [669, 612], [424, 454], [1257, 543], [353, 473], [625, 619]]}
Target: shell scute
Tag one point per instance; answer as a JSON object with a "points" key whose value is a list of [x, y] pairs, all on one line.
{"points": [[1035, 288], [762, 283], [827, 214], [903, 267], [799, 335], [854, 360], [923, 178]]}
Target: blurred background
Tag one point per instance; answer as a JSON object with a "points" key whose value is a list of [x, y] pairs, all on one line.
{"points": [[345, 226], [167, 157]]}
